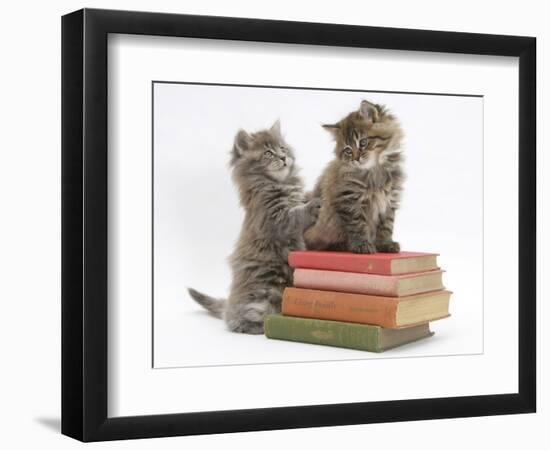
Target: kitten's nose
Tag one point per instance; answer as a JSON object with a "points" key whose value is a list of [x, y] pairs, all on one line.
{"points": [[283, 158]]}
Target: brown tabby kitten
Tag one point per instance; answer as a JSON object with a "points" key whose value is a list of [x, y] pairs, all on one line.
{"points": [[360, 189], [276, 215]]}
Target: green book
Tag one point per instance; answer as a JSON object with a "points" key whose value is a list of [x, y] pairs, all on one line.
{"points": [[370, 338]]}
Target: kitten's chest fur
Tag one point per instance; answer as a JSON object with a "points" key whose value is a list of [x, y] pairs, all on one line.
{"points": [[268, 203], [377, 192], [260, 240], [270, 199]]}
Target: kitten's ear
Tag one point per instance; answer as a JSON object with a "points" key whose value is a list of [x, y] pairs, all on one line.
{"points": [[243, 141], [369, 111], [332, 127], [276, 128]]}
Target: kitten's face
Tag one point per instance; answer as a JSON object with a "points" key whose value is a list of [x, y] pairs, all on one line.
{"points": [[364, 137], [264, 152]]}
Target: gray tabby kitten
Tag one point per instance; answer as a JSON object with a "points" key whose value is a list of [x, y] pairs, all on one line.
{"points": [[360, 189], [276, 215]]}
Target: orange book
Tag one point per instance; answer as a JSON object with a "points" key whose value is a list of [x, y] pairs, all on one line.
{"points": [[389, 312]]}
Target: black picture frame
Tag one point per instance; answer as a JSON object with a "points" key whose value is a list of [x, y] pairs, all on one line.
{"points": [[84, 224]]}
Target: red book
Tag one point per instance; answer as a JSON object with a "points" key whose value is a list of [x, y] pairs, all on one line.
{"points": [[376, 263]]}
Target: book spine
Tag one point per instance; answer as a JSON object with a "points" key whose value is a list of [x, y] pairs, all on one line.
{"points": [[323, 332], [346, 282], [347, 263], [340, 306]]}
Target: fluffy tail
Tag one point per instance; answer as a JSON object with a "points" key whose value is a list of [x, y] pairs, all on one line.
{"points": [[214, 305]]}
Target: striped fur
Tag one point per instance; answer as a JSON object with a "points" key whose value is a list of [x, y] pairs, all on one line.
{"points": [[276, 214], [360, 189]]}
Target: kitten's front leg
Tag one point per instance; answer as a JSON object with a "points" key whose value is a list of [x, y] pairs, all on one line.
{"points": [[312, 210], [361, 243], [360, 232], [304, 216], [384, 233]]}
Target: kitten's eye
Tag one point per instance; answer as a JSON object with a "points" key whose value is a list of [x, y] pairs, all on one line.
{"points": [[363, 142], [347, 151], [268, 154]]}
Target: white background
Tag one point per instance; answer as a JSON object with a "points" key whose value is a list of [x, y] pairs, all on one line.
{"points": [[30, 184], [198, 217]]}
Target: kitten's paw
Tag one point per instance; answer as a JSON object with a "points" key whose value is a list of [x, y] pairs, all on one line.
{"points": [[388, 247], [362, 247], [313, 210]]}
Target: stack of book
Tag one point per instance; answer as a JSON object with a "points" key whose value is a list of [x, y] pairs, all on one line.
{"points": [[369, 302]]}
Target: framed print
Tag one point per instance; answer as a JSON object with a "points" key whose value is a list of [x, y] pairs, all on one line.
{"points": [[273, 224]]}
